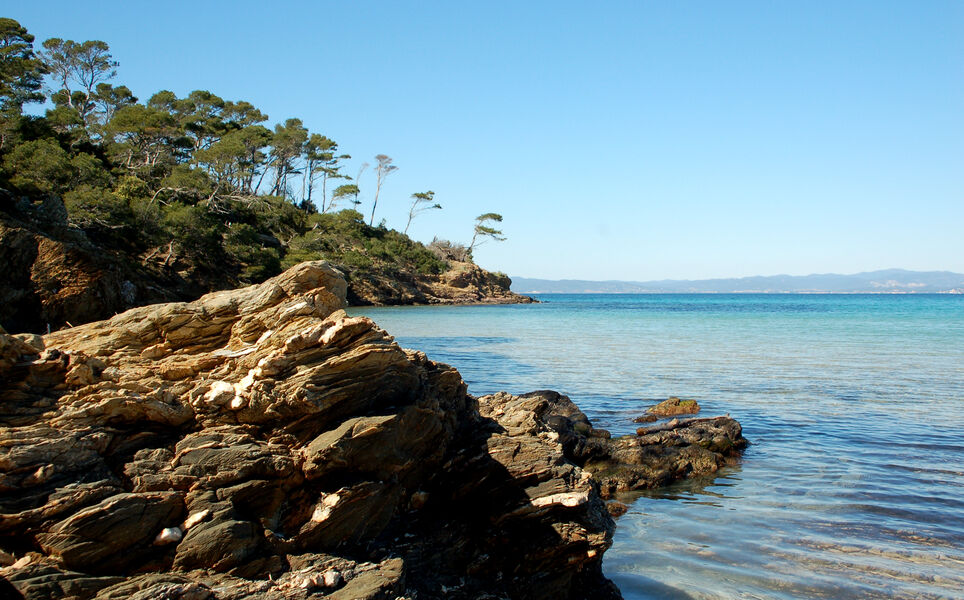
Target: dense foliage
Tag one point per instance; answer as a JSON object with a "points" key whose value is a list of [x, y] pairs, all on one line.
{"points": [[198, 181]]}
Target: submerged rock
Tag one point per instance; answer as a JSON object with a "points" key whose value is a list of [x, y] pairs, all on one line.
{"points": [[616, 508], [260, 443], [646, 419]]}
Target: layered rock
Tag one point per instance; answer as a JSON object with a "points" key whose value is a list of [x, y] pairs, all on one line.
{"points": [[261, 443]]}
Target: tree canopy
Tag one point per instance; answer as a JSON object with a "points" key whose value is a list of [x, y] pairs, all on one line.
{"points": [[483, 232]]}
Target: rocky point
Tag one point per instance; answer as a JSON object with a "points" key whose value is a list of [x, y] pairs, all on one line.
{"points": [[261, 443]]}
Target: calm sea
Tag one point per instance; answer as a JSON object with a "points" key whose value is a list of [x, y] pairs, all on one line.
{"points": [[854, 404]]}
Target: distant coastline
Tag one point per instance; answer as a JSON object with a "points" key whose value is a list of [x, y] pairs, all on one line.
{"points": [[889, 281], [748, 292]]}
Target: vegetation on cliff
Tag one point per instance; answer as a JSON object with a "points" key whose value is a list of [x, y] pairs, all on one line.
{"points": [[197, 185]]}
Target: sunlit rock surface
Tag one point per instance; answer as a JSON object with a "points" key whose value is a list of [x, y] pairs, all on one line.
{"points": [[462, 283]]}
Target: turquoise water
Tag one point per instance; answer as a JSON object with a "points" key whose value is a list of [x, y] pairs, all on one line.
{"points": [[854, 404]]}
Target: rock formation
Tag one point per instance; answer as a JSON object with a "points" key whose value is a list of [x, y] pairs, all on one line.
{"points": [[655, 456], [261, 443], [53, 275], [672, 407], [463, 283]]}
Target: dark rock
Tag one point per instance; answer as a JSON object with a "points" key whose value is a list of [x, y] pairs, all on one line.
{"points": [[219, 545], [385, 582], [616, 509], [43, 579], [8, 591], [657, 456], [156, 586], [646, 419], [349, 516]]}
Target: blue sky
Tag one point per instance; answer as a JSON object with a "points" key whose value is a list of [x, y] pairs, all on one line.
{"points": [[620, 140]]}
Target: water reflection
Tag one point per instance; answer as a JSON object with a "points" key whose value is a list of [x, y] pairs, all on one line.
{"points": [[693, 490]]}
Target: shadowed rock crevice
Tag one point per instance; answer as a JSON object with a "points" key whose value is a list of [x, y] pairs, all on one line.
{"points": [[512, 515], [54, 274]]}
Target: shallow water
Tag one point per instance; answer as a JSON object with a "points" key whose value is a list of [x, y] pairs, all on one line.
{"points": [[854, 404]]}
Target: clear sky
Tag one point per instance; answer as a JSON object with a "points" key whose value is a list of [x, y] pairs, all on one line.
{"points": [[620, 140]]}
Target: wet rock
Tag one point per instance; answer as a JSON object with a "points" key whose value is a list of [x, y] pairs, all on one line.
{"points": [[616, 509], [656, 456], [646, 419], [674, 406]]}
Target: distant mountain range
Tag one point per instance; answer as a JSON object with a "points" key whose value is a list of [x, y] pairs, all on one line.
{"points": [[889, 281]]}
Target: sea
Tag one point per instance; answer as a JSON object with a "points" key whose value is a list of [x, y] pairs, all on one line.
{"points": [[853, 486]]}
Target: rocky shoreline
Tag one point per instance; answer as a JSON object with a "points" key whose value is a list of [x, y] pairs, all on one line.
{"points": [[463, 283], [260, 443]]}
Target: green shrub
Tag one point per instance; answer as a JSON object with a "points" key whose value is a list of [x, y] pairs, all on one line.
{"points": [[193, 229], [258, 262], [355, 260], [88, 206], [278, 217], [38, 167]]}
